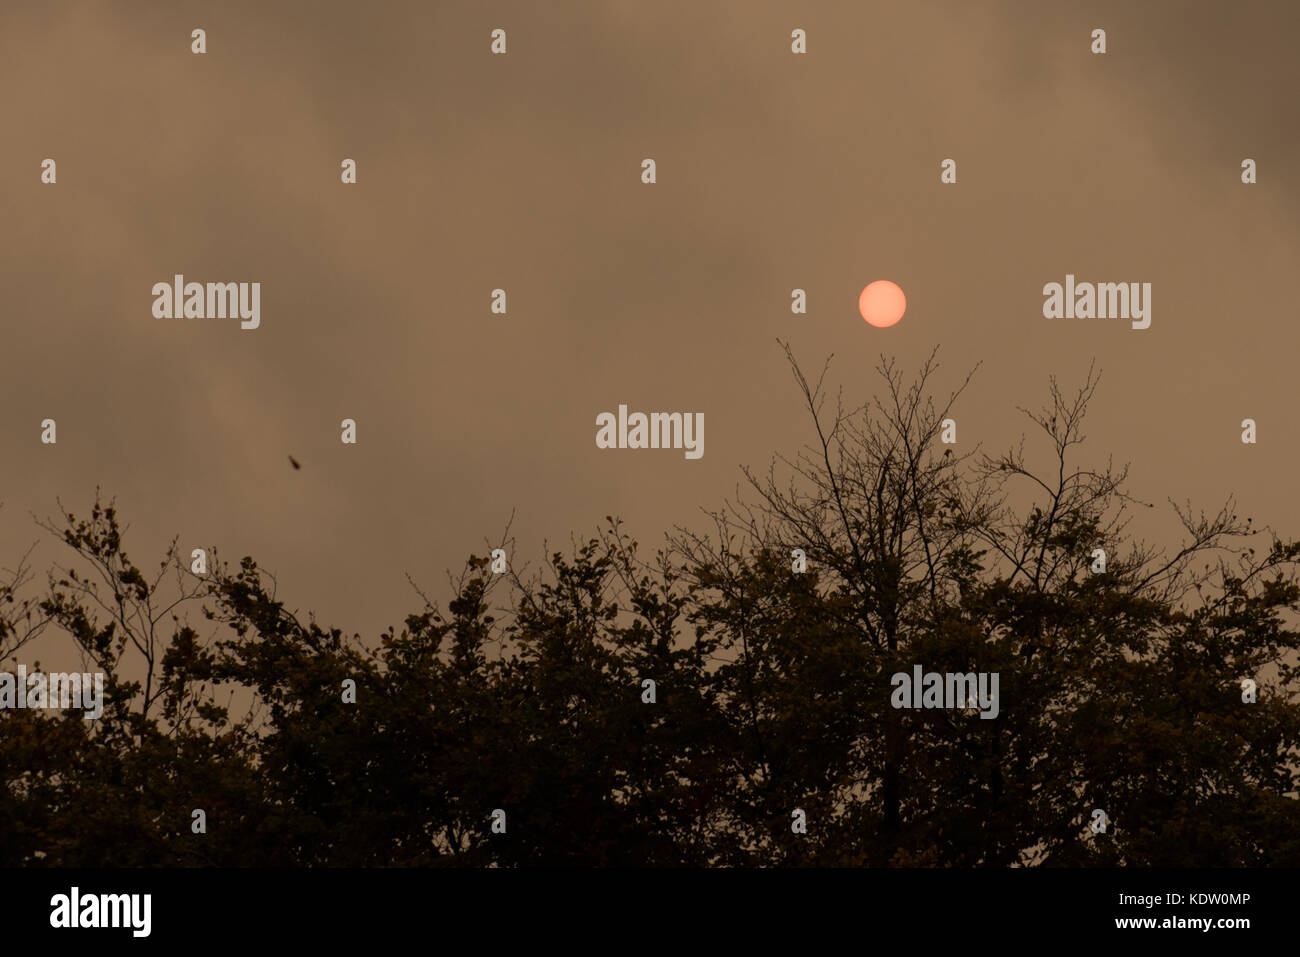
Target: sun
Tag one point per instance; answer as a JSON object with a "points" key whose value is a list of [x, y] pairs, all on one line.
{"points": [[882, 303]]}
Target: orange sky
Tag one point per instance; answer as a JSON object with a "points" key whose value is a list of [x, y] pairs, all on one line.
{"points": [[522, 171]]}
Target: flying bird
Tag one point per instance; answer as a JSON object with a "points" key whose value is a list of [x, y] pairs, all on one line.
{"points": [[294, 462]]}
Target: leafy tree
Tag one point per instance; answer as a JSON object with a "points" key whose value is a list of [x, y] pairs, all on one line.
{"points": [[532, 693]]}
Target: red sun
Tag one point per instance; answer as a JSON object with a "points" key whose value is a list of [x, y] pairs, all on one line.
{"points": [[882, 303]]}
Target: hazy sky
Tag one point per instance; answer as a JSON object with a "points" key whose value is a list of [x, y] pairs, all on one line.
{"points": [[522, 171]]}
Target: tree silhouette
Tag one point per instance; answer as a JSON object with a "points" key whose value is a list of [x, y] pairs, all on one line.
{"points": [[678, 709]]}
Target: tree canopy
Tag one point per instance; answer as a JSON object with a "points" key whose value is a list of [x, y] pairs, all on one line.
{"points": [[679, 708]]}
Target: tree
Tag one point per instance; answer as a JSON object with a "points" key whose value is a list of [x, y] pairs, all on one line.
{"points": [[1102, 675], [682, 709]]}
